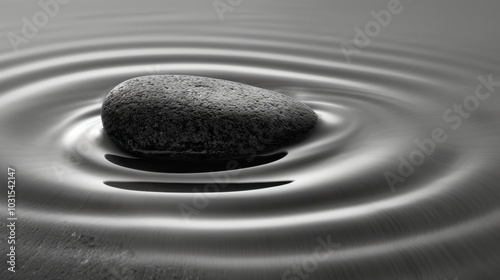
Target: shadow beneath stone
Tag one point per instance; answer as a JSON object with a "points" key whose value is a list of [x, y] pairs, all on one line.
{"points": [[176, 166], [192, 187]]}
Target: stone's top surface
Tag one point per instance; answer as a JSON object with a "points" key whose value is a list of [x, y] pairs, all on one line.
{"points": [[199, 118]]}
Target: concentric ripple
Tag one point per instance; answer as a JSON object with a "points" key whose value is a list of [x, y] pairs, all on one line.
{"points": [[440, 222]]}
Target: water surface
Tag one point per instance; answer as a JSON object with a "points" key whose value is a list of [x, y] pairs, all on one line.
{"points": [[80, 208]]}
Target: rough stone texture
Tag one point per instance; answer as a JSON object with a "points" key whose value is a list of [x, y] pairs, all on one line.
{"points": [[198, 118]]}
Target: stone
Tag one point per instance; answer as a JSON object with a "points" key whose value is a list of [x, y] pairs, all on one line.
{"points": [[184, 117]]}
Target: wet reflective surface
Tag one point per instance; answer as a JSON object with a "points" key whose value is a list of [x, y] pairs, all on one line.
{"points": [[79, 200]]}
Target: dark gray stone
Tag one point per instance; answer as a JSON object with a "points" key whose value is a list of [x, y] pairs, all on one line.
{"points": [[197, 118]]}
